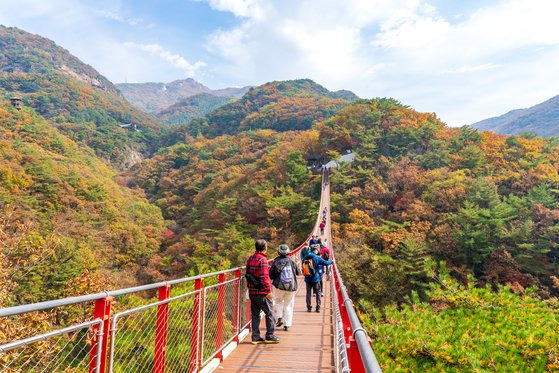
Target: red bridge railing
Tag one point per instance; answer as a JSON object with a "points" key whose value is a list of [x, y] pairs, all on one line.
{"points": [[194, 324]]}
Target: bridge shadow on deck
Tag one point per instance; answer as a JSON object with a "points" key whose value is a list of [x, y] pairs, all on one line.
{"points": [[306, 347]]}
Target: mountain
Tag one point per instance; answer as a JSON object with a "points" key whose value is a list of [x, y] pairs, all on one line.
{"points": [[193, 107], [280, 105], [155, 97], [542, 119], [74, 97]]}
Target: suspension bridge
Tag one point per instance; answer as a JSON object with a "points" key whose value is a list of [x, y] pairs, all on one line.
{"points": [[198, 324]]}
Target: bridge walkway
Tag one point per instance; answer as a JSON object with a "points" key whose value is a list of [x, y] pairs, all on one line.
{"points": [[306, 347]]}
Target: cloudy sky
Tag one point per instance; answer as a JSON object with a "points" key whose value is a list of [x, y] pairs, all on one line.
{"points": [[463, 60]]}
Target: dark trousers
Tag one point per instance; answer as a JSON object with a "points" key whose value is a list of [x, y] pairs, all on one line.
{"points": [[310, 287], [259, 302]]}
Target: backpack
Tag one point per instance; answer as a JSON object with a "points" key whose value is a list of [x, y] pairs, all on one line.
{"points": [[286, 275], [308, 267], [326, 255], [253, 280]]}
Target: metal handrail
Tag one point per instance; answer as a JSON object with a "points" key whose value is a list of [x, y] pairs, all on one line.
{"points": [[370, 363], [43, 337], [359, 333]]}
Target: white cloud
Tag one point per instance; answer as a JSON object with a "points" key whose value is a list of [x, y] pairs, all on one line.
{"points": [[253, 9], [116, 16], [473, 69], [174, 59]]}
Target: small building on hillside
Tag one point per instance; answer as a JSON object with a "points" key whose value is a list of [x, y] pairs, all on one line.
{"points": [[129, 125], [16, 102]]}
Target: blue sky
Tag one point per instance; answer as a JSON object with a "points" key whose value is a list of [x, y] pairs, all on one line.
{"points": [[463, 60]]}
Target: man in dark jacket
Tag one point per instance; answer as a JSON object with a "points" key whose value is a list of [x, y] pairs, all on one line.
{"points": [[313, 282], [284, 272], [260, 293]]}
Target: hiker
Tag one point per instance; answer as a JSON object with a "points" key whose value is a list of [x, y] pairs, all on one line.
{"points": [[260, 293], [314, 240], [284, 272], [324, 213], [322, 226], [326, 254], [312, 277]]}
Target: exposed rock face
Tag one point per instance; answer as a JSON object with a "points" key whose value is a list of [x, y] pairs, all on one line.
{"points": [[83, 77]]}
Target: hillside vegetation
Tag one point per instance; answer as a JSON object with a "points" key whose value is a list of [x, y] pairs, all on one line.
{"points": [[485, 205], [188, 109], [223, 192], [419, 198], [155, 97], [280, 106], [66, 226]]}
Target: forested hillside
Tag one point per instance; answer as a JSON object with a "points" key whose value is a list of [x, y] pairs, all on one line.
{"points": [[155, 97], [74, 97], [224, 192], [421, 197], [66, 226], [280, 106], [197, 106]]}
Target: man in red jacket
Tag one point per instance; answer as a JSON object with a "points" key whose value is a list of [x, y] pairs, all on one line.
{"points": [[260, 293]]}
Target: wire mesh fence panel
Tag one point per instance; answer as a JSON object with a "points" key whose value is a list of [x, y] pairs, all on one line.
{"points": [[133, 340], [244, 311], [66, 350], [220, 317], [181, 343]]}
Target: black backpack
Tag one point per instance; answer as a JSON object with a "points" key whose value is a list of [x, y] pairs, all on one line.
{"points": [[253, 280]]}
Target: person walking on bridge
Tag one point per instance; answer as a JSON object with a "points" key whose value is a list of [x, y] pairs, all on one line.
{"points": [[326, 254], [312, 276], [284, 272], [260, 293]]}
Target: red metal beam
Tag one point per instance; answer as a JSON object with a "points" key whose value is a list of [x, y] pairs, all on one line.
{"points": [[197, 316], [102, 310], [161, 330], [220, 314]]}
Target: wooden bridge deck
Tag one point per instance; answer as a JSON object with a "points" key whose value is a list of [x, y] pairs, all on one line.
{"points": [[306, 347]]}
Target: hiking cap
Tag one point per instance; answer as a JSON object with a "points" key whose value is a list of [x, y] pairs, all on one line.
{"points": [[283, 250]]}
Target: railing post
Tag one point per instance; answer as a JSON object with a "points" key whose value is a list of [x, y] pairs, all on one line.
{"points": [[220, 313], [161, 325], [102, 310], [197, 315], [236, 310], [342, 305], [354, 357]]}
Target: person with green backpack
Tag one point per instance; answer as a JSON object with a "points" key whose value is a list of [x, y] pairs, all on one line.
{"points": [[311, 264], [284, 272]]}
